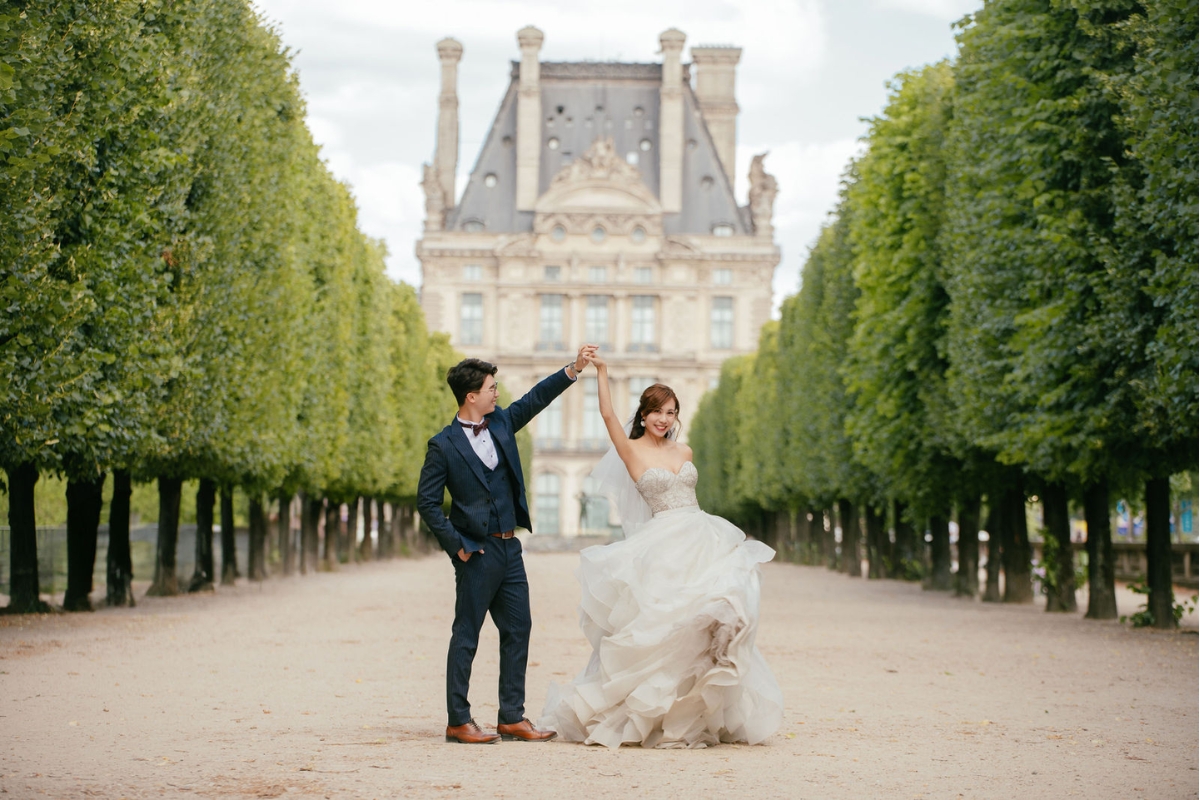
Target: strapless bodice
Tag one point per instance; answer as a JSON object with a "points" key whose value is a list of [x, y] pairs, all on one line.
{"points": [[664, 490]]}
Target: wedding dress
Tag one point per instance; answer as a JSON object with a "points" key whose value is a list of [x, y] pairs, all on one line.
{"points": [[671, 613]]}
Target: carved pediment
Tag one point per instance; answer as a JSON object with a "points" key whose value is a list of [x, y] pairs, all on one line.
{"points": [[600, 182]]}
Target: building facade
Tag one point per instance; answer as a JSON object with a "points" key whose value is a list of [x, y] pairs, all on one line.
{"points": [[600, 209]]}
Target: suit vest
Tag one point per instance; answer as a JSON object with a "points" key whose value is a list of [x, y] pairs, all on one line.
{"points": [[502, 504]]}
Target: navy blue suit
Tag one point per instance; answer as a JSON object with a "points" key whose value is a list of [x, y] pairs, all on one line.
{"points": [[482, 502]]}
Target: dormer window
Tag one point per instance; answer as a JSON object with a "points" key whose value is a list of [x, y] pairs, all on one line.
{"points": [[490, 180], [598, 234], [552, 143], [558, 233], [473, 226], [722, 229]]}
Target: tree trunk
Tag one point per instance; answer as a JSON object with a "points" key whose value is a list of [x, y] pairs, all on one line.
{"points": [[875, 538], [23, 578], [203, 575], [1102, 591], [1060, 586], [804, 535], [387, 513], [407, 529], [365, 548], [851, 540], [402, 540], [939, 552], [995, 549], [1018, 574], [1161, 601], [229, 565], [119, 559], [833, 552], [166, 582], [257, 551], [84, 504], [906, 549], [284, 525], [310, 521], [966, 582], [332, 521], [349, 544]]}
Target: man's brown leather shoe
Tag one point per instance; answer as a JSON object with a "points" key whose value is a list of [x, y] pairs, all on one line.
{"points": [[470, 734], [523, 731]]}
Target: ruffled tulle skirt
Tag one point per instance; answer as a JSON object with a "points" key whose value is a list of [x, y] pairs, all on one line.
{"points": [[671, 614]]}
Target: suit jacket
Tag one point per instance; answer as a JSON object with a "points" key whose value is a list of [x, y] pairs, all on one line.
{"points": [[450, 463]]}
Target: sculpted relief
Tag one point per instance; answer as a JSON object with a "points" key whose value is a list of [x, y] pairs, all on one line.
{"points": [[600, 162], [598, 188]]}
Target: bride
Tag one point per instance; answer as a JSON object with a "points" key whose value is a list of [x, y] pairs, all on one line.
{"points": [[671, 612]]}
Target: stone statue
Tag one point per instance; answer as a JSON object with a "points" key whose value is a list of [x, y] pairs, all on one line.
{"points": [[435, 199], [763, 189]]}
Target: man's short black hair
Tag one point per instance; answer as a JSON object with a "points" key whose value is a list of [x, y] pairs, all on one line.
{"points": [[467, 376]]}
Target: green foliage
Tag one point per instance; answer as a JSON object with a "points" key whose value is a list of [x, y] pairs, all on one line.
{"points": [[186, 290], [1157, 215], [1144, 617], [1007, 288], [714, 440], [895, 364]]}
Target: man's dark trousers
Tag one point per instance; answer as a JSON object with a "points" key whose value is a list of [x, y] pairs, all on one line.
{"points": [[492, 581]]}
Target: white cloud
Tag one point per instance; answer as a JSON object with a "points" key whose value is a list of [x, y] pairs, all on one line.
{"points": [[778, 30], [809, 175], [942, 9]]}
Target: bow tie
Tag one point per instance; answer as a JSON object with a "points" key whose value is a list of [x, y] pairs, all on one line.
{"points": [[476, 427]]}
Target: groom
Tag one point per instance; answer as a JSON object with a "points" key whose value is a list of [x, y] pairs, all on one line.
{"points": [[475, 458]]}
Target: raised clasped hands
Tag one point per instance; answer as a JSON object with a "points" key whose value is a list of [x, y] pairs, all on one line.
{"points": [[596, 361], [586, 352]]}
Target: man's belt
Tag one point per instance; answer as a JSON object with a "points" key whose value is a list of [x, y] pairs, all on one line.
{"points": [[504, 534]]}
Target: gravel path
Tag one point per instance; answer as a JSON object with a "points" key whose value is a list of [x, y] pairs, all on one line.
{"points": [[332, 686]]}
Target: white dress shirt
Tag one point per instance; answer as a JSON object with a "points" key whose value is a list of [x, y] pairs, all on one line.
{"points": [[482, 444]]}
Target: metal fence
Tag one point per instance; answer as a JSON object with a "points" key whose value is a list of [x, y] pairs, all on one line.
{"points": [[52, 555], [52, 559]]}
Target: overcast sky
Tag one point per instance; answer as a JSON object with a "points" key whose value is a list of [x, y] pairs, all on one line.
{"points": [[810, 71]]}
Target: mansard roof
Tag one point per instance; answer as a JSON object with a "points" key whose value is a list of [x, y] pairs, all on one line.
{"points": [[583, 102]]}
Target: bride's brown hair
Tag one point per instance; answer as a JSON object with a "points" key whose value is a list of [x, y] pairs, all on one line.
{"points": [[654, 398]]}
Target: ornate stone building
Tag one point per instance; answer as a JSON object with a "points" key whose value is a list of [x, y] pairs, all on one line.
{"points": [[601, 209]]}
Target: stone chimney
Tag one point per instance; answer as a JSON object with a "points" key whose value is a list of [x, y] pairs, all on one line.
{"points": [[529, 118], [670, 123], [445, 159], [716, 69]]}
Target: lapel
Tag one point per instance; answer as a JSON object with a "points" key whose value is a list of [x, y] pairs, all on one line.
{"points": [[458, 435], [502, 439]]}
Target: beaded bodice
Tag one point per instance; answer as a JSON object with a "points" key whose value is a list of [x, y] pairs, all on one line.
{"points": [[664, 490]]}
